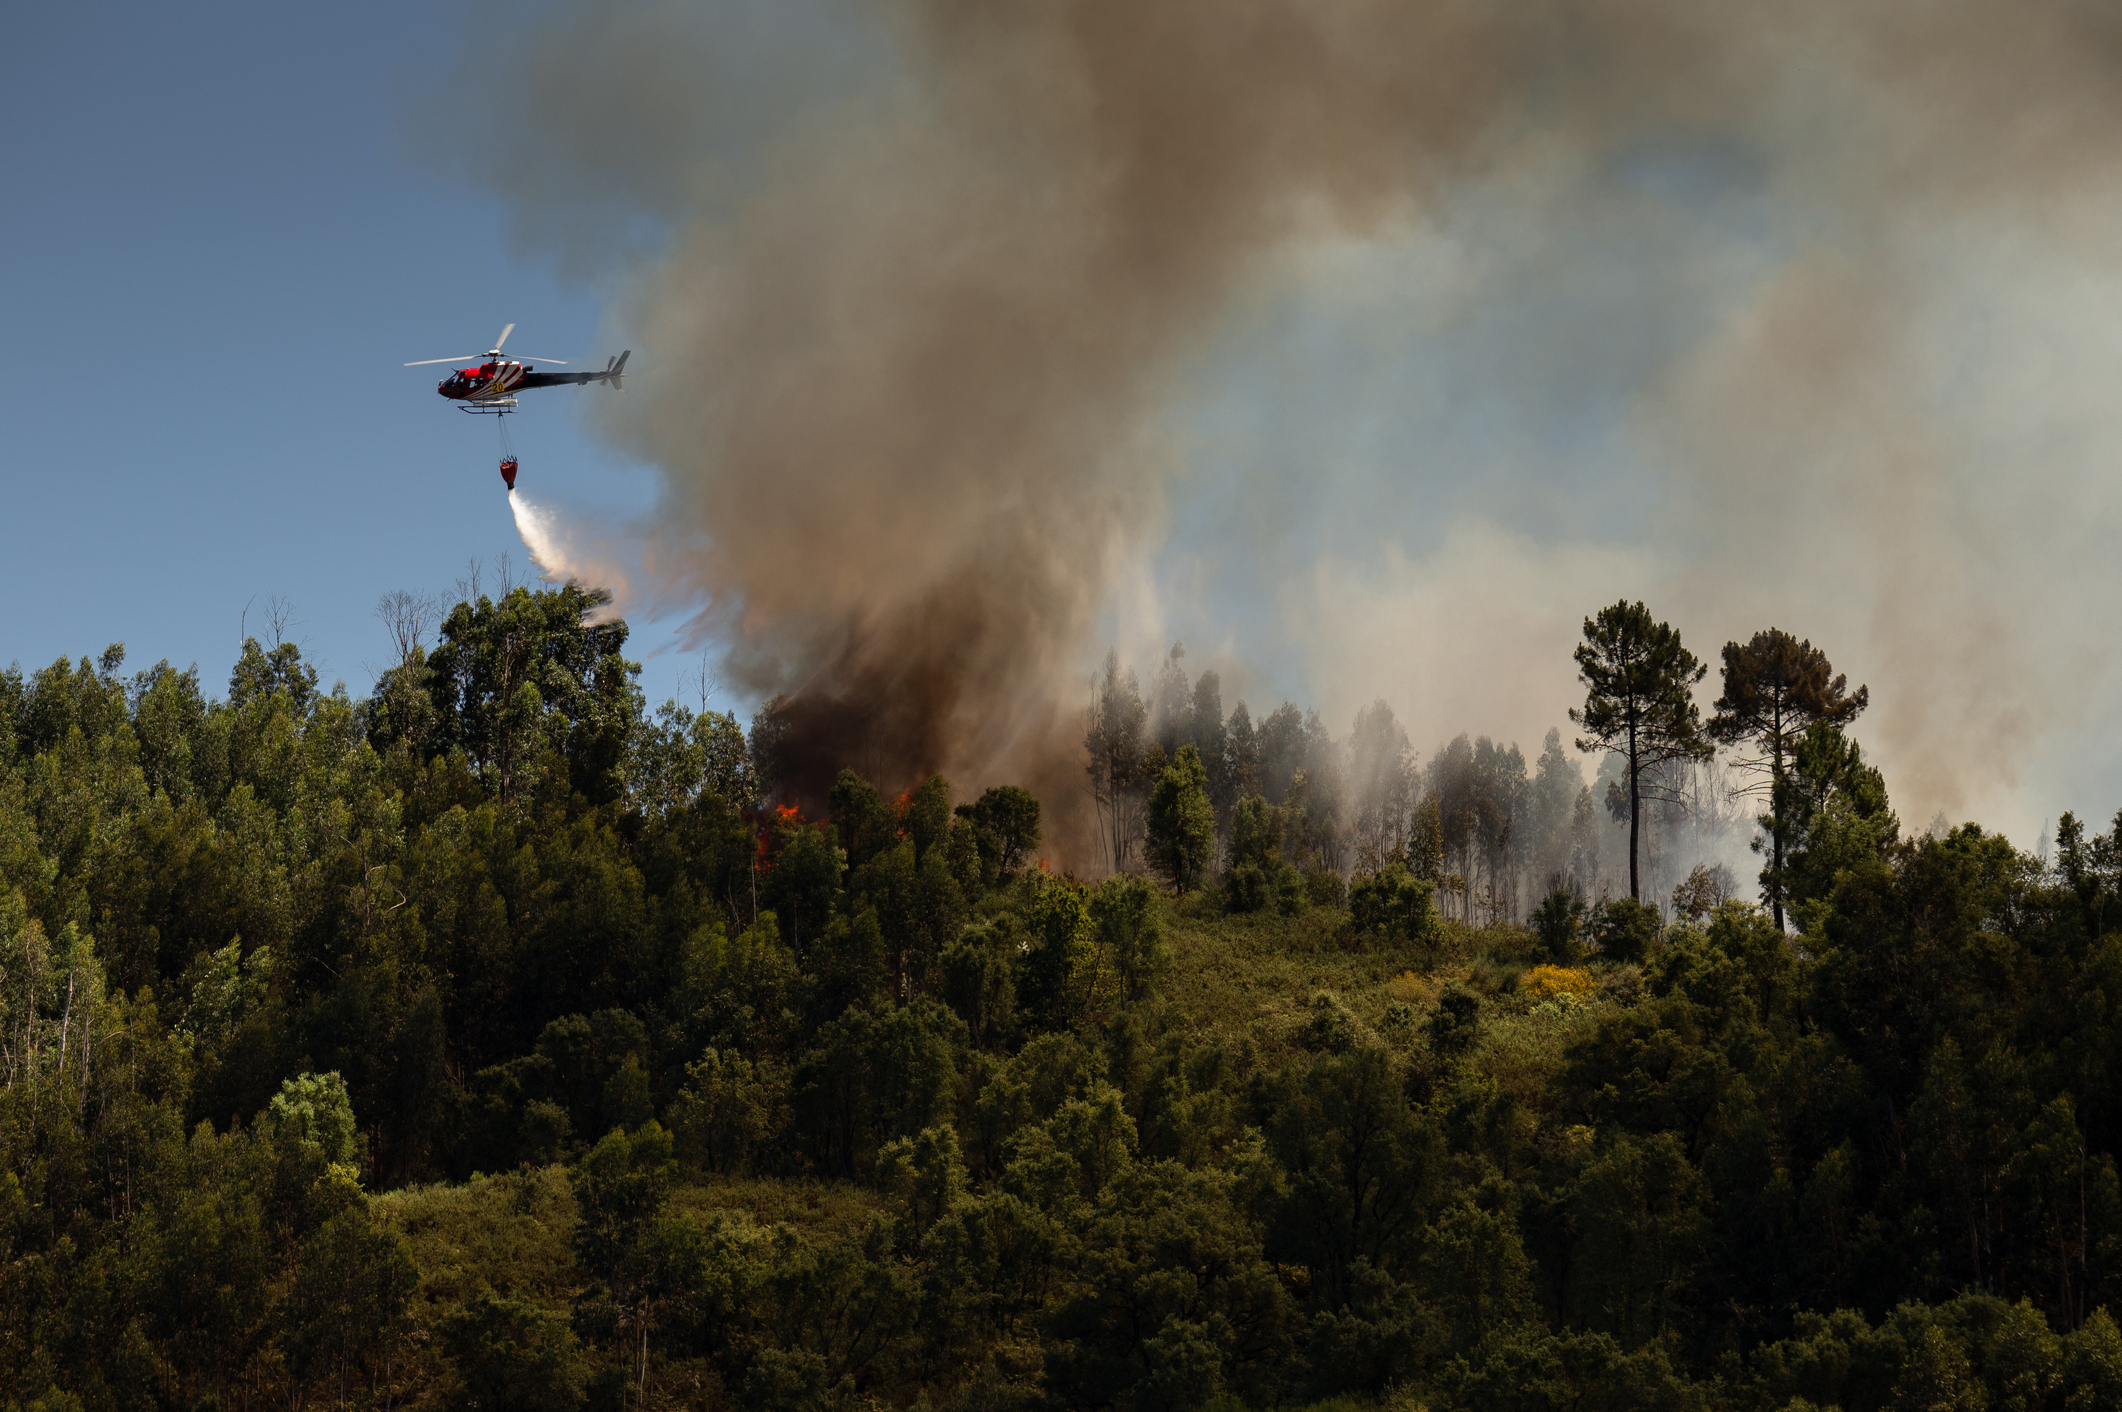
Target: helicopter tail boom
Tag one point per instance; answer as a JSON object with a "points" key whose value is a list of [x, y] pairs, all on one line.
{"points": [[610, 374]]}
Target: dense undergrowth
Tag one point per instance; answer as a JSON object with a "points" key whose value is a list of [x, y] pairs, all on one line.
{"points": [[488, 1043]]}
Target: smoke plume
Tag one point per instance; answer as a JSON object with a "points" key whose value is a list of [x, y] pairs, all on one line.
{"points": [[1403, 333]]}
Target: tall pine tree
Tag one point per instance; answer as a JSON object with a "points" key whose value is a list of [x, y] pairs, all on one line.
{"points": [[1639, 702], [1775, 688]]}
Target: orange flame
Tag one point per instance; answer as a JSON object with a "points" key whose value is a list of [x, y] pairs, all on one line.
{"points": [[784, 816]]}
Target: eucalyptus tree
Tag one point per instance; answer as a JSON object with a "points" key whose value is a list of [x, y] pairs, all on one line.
{"points": [[1113, 747]]}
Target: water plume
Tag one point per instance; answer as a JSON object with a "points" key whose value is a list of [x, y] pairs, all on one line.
{"points": [[562, 558]]}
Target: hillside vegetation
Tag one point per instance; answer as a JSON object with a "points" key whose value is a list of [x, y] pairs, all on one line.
{"points": [[493, 1042]]}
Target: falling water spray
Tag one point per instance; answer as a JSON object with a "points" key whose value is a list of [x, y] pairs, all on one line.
{"points": [[568, 556]]}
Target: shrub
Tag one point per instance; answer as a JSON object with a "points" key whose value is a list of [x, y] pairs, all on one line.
{"points": [[1248, 889], [1559, 924], [1456, 1023], [1332, 1029], [1291, 892], [1395, 904], [1626, 929], [1323, 887], [1547, 982], [1411, 989]]}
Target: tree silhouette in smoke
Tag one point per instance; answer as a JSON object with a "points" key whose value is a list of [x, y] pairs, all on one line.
{"points": [[1775, 688], [1639, 702]]}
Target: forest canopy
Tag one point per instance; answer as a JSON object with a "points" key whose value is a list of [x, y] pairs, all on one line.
{"points": [[495, 1040]]}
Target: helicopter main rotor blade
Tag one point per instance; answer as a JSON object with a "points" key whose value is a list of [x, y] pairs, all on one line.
{"points": [[504, 337], [469, 357], [525, 358]]}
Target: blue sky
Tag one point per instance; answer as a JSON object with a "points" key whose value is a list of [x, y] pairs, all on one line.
{"points": [[217, 246]]}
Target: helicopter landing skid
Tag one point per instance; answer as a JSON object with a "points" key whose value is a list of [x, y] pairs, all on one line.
{"points": [[493, 408]]}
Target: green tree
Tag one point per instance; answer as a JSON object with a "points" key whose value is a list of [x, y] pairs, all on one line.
{"points": [[865, 826], [1641, 1237], [352, 1289], [169, 716], [314, 1111], [1172, 1302], [1256, 866], [849, 964], [730, 1109], [1556, 780], [1559, 924], [1129, 926], [1474, 1266], [1395, 904], [924, 1175], [260, 674], [678, 757], [1639, 703], [919, 907], [1776, 687], [802, 883], [1010, 817], [1455, 1025], [622, 1188], [1364, 1169], [1837, 816], [1241, 753], [1256, 834], [876, 1073], [1058, 968], [925, 815], [514, 678], [979, 981], [1425, 841], [1209, 733], [1182, 823], [1625, 929], [511, 1353], [1526, 1369]]}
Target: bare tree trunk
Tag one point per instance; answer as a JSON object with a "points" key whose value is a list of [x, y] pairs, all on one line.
{"points": [[1635, 812]]}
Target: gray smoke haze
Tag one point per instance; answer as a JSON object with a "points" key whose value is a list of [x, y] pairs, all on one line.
{"points": [[1398, 334]]}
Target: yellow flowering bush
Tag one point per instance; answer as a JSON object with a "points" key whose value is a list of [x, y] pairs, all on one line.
{"points": [[1547, 982], [1411, 989]]}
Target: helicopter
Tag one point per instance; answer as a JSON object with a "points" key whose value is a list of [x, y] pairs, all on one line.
{"points": [[491, 386]]}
